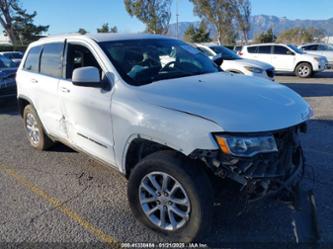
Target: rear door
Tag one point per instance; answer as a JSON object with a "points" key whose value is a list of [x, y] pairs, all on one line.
{"points": [[283, 58], [250, 53], [264, 54], [42, 72]]}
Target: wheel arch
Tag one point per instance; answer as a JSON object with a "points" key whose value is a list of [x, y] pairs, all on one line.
{"points": [[22, 102], [139, 148], [307, 62]]}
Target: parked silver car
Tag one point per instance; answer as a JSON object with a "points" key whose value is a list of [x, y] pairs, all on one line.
{"points": [[319, 49]]}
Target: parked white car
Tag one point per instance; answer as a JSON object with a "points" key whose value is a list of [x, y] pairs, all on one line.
{"points": [[321, 49], [173, 129], [286, 58], [235, 64]]}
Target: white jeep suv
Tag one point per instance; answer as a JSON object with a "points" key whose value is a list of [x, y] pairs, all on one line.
{"points": [[172, 128], [286, 58]]}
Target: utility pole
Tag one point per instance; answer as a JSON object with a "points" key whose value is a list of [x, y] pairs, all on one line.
{"points": [[177, 21]]}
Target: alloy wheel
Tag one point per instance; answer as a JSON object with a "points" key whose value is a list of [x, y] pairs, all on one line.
{"points": [[164, 201]]}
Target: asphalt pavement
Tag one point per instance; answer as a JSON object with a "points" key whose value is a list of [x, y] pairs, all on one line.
{"points": [[62, 197]]}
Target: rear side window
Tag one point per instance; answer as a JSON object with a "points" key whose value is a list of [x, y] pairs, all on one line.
{"points": [[32, 62], [322, 47], [252, 50], [51, 60], [265, 49]]}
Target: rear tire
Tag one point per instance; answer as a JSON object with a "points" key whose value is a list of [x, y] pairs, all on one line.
{"points": [[304, 70], [193, 181], [35, 132]]}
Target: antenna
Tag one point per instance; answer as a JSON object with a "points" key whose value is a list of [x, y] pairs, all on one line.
{"points": [[177, 17]]}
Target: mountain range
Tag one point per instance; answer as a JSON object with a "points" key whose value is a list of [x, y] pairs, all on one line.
{"points": [[260, 23]]}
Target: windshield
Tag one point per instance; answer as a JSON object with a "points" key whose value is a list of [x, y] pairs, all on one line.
{"points": [[226, 53], [6, 63], [141, 62], [296, 49]]}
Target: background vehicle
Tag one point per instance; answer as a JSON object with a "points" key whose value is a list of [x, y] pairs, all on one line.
{"points": [[235, 64], [7, 78], [172, 128], [238, 48], [286, 58], [321, 49], [15, 56]]}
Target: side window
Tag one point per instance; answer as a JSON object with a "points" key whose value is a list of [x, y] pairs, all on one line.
{"points": [[322, 47], [252, 50], [265, 49], [311, 48], [51, 60], [79, 56], [281, 50], [32, 62]]}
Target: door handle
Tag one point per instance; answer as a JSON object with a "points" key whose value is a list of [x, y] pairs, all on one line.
{"points": [[34, 81], [65, 90]]}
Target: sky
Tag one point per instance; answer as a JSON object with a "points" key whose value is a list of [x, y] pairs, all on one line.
{"points": [[65, 16]]}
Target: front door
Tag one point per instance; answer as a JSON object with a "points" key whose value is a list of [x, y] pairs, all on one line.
{"points": [[87, 110], [283, 59]]}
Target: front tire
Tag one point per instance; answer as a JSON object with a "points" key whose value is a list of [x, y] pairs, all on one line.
{"points": [[304, 70], [35, 132], [171, 195]]}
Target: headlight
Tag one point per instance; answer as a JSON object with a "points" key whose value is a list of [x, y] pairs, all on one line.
{"points": [[246, 146], [254, 69]]}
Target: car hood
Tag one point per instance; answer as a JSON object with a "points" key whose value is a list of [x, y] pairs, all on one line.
{"points": [[236, 103], [327, 54], [312, 56], [254, 63]]}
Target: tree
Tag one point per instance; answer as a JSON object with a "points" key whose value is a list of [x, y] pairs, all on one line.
{"points": [[189, 33], [155, 14], [221, 14], [18, 23], [243, 14], [106, 29], [265, 37], [198, 35], [300, 35], [82, 31]]}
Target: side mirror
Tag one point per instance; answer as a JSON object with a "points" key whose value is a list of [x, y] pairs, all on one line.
{"points": [[290, 53], [86, 77], [218, 59]]}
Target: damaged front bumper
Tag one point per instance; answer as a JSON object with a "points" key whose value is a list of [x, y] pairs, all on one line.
{"points": [[266, 174], [276, 174]]}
